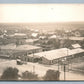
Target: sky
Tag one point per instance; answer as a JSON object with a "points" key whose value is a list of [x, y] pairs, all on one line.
{"points": [[18, 13]]}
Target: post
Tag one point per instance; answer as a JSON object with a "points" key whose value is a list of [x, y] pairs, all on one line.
{"points": [[68, 60], [33, 69], [33, 57], [33, 62], [64, 72], [68, 66], [71, 65], [58, 64]]}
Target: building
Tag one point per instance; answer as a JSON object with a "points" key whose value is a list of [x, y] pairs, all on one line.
{"points": [[20, 50], [76, 38], [18, 38], [78, 32], [31, 41], [76, 46], [49, 57], [53, 56]]}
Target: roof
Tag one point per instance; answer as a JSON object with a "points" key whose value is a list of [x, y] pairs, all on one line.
{"points": [[76, 46], [42, 37], [34, 34], [26, 47], [76, 38], [53, 36], [18, 35], [76, 51], [31, 40], [53, 54], [58, 53], [19, 47], [9, 46], [36, 30]]}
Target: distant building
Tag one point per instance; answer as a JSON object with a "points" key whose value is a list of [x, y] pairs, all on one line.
{"points": [[31, 41], [78, 32], [34, 35], [76, 39], [18, 38], [76, 46], [19, 35]]}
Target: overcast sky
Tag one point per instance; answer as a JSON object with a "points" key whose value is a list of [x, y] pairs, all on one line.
{"points": [[41, 12]]}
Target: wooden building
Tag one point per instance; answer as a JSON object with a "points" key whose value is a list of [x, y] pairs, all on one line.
{"points": [[20, 50], [53, 56]]}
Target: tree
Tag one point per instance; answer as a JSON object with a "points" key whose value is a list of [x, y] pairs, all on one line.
{"points": [[52, 75], [29, 76], [10, 74], [54, 42]]}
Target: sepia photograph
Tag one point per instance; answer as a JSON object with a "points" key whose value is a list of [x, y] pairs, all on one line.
{"points": [[42, 42]]}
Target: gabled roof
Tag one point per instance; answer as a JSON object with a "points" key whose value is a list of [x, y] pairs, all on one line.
{"points": [[19, 47], [34, 34], [53, 36], [18, 35], [76, 46], [53, 54], [58, 53], [76, 38], [26, 47], [9, 46]]}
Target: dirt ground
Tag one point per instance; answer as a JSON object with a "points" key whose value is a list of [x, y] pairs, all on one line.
{"points": [[72, 74]]}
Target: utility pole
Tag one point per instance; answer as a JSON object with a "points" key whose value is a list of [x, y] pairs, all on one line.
{"points": [[68, 60], [33, 62], [58, 64], [64, 68], [64, 72], [33, 69]]}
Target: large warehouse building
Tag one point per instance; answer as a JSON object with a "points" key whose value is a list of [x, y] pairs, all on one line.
{"points": [[53, 56]]}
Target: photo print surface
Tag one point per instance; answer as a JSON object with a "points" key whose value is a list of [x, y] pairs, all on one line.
{"points": [[42, 42]]}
